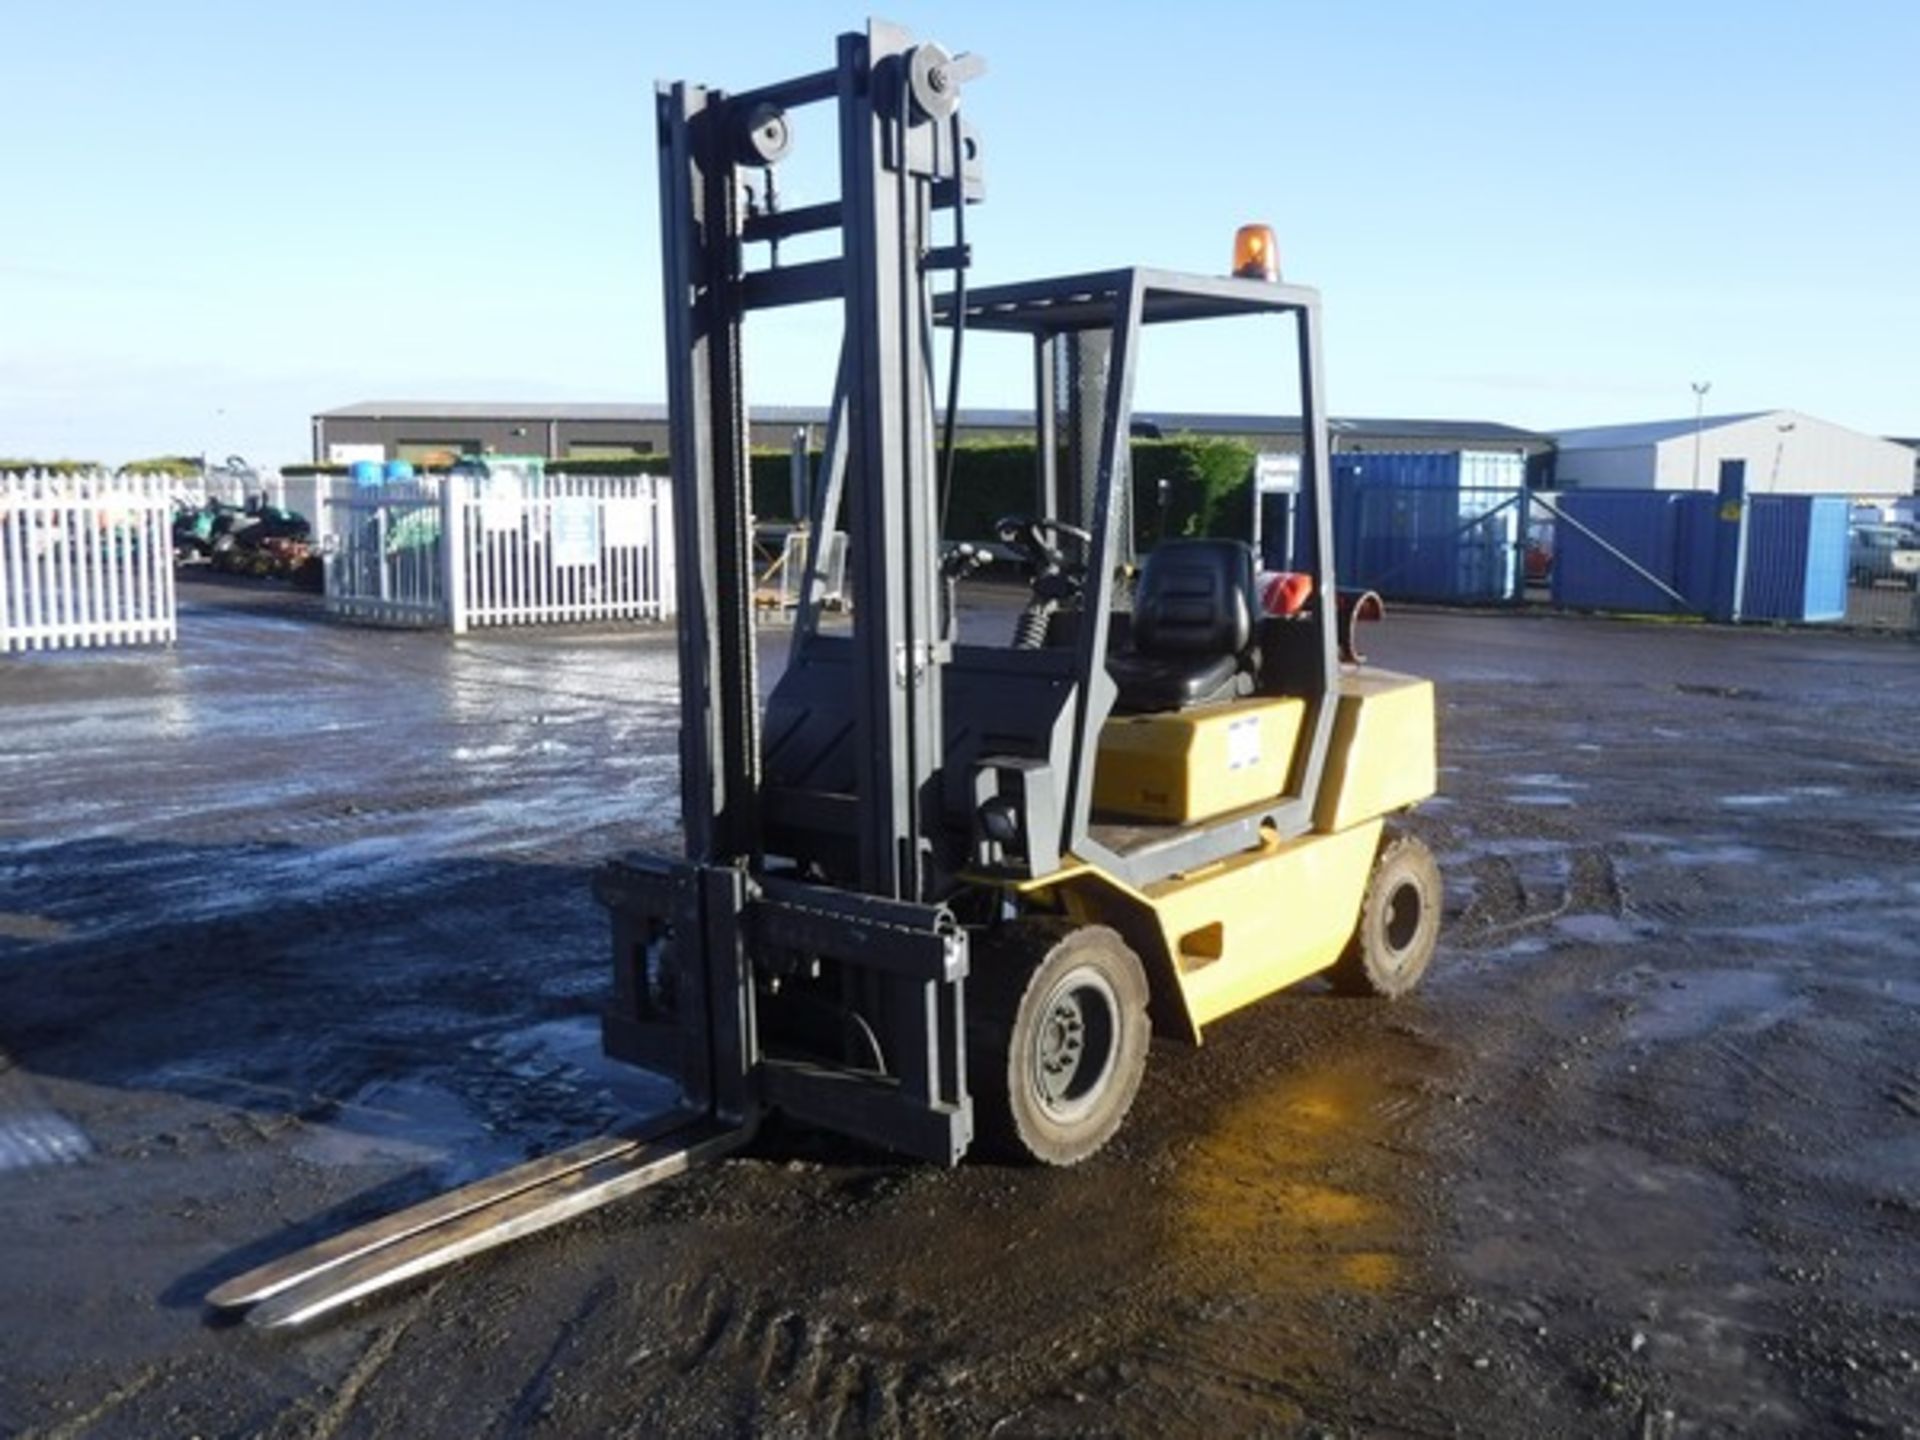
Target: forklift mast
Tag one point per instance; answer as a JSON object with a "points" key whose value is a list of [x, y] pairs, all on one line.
{"points": [[904, 154], [866, 1036]]}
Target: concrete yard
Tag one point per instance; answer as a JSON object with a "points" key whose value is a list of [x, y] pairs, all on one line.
{"points": [[294, 928]]}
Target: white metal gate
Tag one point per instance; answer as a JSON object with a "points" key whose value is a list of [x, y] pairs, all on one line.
{"points": [[383, 552], [527, 548], [86, 559]]}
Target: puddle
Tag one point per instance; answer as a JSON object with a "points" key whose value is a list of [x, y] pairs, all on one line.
{"points": [[1537, 798], [1684, 1005], [1848, 891], [1753, 802], [407, 1122], [36, 1138], [1599, 929], [1525, 945], [1546, 780], [1598, 1193], [1713, 855], [1887, 931], [571, 1047]]}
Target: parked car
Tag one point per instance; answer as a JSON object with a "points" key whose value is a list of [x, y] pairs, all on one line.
{"points": [[1884, 553]]}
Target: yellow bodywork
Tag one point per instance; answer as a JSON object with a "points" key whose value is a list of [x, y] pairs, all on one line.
{"points": [[1382, 755], [1220, 937], [1189, 764]]}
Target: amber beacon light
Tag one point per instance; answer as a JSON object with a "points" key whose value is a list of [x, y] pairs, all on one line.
{"points": [[1255, 255]]}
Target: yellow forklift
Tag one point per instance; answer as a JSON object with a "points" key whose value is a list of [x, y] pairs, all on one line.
{"points": [[939, 887]]}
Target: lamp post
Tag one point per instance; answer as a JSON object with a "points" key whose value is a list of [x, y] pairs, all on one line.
{"points": [[1779, 448], [1700, 389]]}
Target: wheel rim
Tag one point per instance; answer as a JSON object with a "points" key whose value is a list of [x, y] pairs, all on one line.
{"points": [[1075, 1044], [1401, 919]]}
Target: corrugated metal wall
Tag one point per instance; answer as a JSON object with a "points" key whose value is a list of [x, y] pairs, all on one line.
{"points": [[1796, 554], [1669, 535], [1796, 558], [1405, 524]]}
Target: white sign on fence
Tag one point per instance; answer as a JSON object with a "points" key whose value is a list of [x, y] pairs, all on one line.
{"points": [[500, 514], [629, 523], [576, 530]]}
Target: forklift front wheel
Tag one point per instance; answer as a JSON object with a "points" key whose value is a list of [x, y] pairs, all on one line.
{"points": [[1057, 1039], [1399, 924]]}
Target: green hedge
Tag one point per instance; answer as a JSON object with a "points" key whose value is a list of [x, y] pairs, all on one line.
{"points": [[1209, 487], [54, 467], [180, 467], [609, 465]]}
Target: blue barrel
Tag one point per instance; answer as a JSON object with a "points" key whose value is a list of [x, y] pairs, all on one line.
{"points": [[366, 473], [399, 470]]}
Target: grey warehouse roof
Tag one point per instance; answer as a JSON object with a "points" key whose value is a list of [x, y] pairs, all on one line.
{"points": [[489, 410], [1650, 432]]}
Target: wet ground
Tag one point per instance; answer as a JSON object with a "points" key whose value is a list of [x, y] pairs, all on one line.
{"points": [[294, 928]]}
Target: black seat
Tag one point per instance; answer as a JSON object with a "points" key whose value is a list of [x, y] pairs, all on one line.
{"points": [[1192, 629]]}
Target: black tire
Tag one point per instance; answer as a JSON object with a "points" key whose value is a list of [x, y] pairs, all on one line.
{"points": [[1399, 924], [1057, 1039]]}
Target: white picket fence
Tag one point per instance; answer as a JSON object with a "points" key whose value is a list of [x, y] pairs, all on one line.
{"points": [[86, 559], [527, 549]]}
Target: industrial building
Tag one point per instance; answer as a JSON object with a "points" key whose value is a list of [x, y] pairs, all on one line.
{"points": [[420, 430], [1785, 452]]}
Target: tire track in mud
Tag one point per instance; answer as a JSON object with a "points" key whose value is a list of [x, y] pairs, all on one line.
{"points": [[836, 1366], [534, 1404]]}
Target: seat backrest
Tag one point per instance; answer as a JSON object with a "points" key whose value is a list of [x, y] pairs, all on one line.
{"points": [[1195, 597]]}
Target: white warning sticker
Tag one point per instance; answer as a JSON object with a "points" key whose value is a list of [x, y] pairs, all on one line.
{"points": [[1243, 742]]}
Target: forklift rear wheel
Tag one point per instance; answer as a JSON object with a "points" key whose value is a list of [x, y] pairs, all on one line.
{"points": [[1399, 924], [1057, 1039]]}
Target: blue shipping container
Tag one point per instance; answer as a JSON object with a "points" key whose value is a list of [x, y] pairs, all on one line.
{"points": [[1796, 558], [1667, 533], [1409, 525], [1796, 553]]}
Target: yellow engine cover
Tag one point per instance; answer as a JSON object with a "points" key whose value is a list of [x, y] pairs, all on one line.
{"points": [[1382, 755], [1190, 764]]}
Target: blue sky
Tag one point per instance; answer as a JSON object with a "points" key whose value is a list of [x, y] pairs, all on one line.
{"points": [[222, 217]]}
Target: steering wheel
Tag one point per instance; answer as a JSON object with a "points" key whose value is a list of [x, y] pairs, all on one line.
{"points": [[1038, 540]]}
